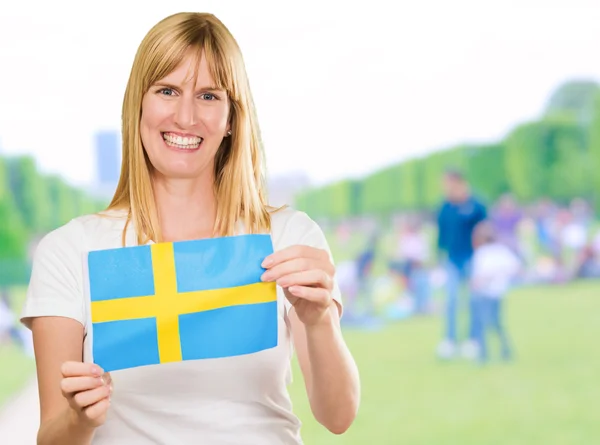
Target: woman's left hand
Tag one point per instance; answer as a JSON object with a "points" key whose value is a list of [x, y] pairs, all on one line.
{"points": [[306, 275]]}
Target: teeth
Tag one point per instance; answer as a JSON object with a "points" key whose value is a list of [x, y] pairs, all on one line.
{"points": [[182, 142]]}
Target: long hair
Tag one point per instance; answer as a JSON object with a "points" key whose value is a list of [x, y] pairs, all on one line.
{"points": [[239, 182]]}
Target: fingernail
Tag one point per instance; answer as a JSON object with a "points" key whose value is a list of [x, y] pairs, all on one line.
{"points": [[96, 370], [265, 277], [267, 262]]}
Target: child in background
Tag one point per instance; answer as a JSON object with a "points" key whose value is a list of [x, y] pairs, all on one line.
{"points": [[495, 267]]}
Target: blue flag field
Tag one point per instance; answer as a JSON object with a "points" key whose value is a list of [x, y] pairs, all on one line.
{"points": [[188, 300]]}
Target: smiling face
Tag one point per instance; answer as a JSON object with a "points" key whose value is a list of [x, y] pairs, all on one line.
{"points": [[184, 120]]}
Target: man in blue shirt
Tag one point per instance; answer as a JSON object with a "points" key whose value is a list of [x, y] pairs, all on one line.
{"points": [[459, 214]]}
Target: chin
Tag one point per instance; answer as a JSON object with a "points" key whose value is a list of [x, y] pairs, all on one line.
{"points": [[183, 171]]}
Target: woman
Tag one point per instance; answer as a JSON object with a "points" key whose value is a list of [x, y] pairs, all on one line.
{"points": [[191, 169]]}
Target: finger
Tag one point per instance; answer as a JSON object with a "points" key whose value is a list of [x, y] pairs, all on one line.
{"points": [[314, 294], [97, 410], [314, 277], [107, 378], [291, 252], [86, 398], [288, 267], [77, 369], [77, 384]]}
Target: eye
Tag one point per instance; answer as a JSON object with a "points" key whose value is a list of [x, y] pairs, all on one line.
{"points": [[166, 91], [208, 96]]}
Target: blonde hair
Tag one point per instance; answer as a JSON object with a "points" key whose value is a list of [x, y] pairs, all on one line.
{"points": [[239, 183]]}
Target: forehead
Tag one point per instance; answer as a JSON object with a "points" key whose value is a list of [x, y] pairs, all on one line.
{"points": [[194, 70]]}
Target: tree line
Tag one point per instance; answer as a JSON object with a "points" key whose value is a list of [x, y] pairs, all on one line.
{"points": [[32, 204], [556, 156]]}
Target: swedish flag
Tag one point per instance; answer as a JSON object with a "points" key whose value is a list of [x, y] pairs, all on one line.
{"points": [[187, 300]]}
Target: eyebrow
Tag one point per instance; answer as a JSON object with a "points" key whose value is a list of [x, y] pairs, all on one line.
{"points": [[176, 87]]}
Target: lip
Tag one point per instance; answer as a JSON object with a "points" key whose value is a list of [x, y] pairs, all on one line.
{"points": [[181, 150], [183, 135]]}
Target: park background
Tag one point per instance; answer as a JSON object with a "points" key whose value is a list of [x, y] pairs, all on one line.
{"points": [[363, 107]]}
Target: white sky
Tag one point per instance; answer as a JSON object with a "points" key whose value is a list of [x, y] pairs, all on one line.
{"points": [[341, 90]]}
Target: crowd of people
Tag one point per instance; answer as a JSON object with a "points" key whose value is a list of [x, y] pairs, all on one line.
{"points": [[462, 262]]}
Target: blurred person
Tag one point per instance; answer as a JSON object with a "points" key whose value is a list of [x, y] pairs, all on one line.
{"points": [[506, 217], [581, 212], [191, 170], [346, 275], [596, 243], [413, 253], [364, 275], [9, 328], [544, 214], [567, 238], [494, 269], [7, 318], [573, 236], [588, 263], [460, 212]]}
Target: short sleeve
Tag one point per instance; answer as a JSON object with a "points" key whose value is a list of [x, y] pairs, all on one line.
{"points": [[55, 287], [301, 229]]}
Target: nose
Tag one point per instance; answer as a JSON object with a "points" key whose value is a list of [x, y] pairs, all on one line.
{"points": [[185, 112]]}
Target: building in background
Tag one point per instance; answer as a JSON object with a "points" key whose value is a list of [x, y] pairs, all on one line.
{"points": [[107, 146]]}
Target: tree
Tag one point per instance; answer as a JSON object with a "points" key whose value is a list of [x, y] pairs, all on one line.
{"points": [[30, 193], [594, 153], [574, 99]]}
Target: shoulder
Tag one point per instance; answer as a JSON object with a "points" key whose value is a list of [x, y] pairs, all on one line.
{"points": [[65, 240], [478, 203], [80, 234], [288, 218], [290, 226], [443, 206]]}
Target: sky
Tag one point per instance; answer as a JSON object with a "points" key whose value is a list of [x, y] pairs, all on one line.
{"points": [[341, 90]]}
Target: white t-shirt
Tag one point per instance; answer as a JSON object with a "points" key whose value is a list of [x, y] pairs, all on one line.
{"points": [[494, 268], [236, 400]]}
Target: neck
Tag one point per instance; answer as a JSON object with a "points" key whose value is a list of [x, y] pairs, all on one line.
{"points": [[186, 207]]}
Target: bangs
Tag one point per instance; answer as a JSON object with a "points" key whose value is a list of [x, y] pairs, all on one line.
{"points": [[168, 51]]}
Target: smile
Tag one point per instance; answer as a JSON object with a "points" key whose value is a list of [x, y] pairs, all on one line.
{"points": [[182, 142]]}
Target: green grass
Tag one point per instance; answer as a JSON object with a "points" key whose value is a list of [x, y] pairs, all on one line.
{"points": [[548, 395]]}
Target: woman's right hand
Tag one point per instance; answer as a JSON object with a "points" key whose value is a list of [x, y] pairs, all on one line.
{"points": [[87, 388]]}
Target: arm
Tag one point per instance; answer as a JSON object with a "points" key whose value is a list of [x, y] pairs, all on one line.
{"points": [[303, 267], [330, 373], [72, 397], [57, 340]]}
